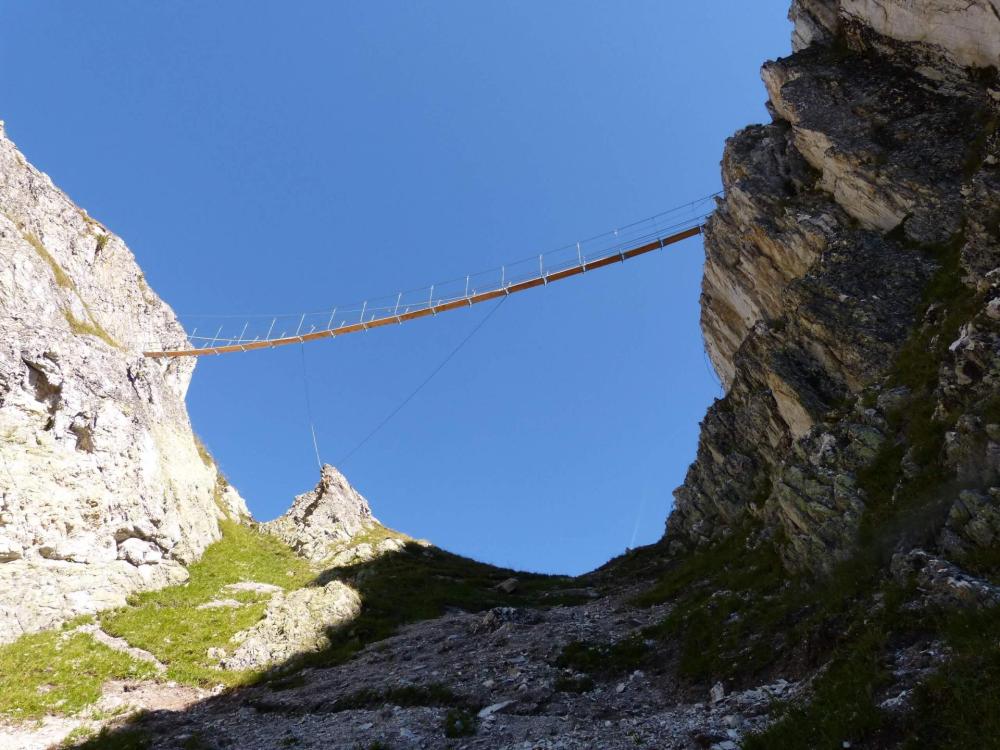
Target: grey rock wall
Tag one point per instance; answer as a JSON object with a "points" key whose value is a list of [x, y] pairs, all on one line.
{"points": [[880, 153]]}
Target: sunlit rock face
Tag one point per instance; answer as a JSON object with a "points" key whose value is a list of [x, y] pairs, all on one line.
{"points": [[319, 521], [964, 33], [103, 490], [882, 151]]}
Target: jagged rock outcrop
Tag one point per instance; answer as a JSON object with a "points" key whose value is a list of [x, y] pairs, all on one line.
{"points": [[324, 519], [881, 159], [295, 623], [103, 487]]}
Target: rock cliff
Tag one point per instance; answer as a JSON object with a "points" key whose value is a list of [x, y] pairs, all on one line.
{"points": [[104, 489], [331, 514], [829, 577], [858, 230]]}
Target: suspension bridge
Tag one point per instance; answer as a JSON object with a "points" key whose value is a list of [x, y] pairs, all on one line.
{"points": [[622, 244]]}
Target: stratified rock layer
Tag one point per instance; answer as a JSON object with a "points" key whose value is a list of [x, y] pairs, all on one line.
{"points": [[103, 489], [882, 156]]}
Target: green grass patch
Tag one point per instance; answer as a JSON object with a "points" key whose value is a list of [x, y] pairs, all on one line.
{"points": [[729, 600], [62, 278], [203, 453], [954, 708], [168, 624], [59, 672], [957, 706], [604, 659], [916, 365], [842, 708], [916, 511], [89, 328]]}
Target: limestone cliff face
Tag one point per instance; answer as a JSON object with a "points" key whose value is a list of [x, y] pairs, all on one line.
{"points": [[333, 513], [103, 490], [882, 155]]}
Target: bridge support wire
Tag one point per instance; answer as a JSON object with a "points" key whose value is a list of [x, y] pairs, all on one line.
{"points": [[422, 385], [309, 411]]}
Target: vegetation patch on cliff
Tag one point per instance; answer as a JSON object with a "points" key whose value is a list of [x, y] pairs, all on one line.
{"points": [[169, 623], [908, 489], [89, 328]]}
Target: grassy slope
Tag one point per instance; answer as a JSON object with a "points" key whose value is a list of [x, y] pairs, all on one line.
{"points": [[168, 623], [59, 672]]}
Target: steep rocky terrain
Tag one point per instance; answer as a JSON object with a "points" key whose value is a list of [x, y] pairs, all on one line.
{"points": [[103, 487], [856, 223], [830, 574]]}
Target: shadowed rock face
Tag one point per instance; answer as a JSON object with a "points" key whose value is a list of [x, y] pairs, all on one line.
{"points": [[318, 521], [102, 488], [882, 152]]}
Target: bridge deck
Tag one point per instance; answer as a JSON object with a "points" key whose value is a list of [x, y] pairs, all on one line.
{"points": [[433, 309]]}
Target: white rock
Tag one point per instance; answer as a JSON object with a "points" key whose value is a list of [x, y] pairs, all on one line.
{"points": [[294, 623], [96, 439], [139, 552], [331, 514], [717, 693], [494, 708]]}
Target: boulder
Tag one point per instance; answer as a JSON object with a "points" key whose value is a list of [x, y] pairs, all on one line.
{"points": [[295, 623]]}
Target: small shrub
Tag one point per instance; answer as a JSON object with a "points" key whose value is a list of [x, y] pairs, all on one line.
{"points": [[459, 722], [604, 660], [574, 684]]}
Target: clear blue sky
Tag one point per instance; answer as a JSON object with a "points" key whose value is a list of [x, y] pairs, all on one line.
{"points": [[289, 156]]}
